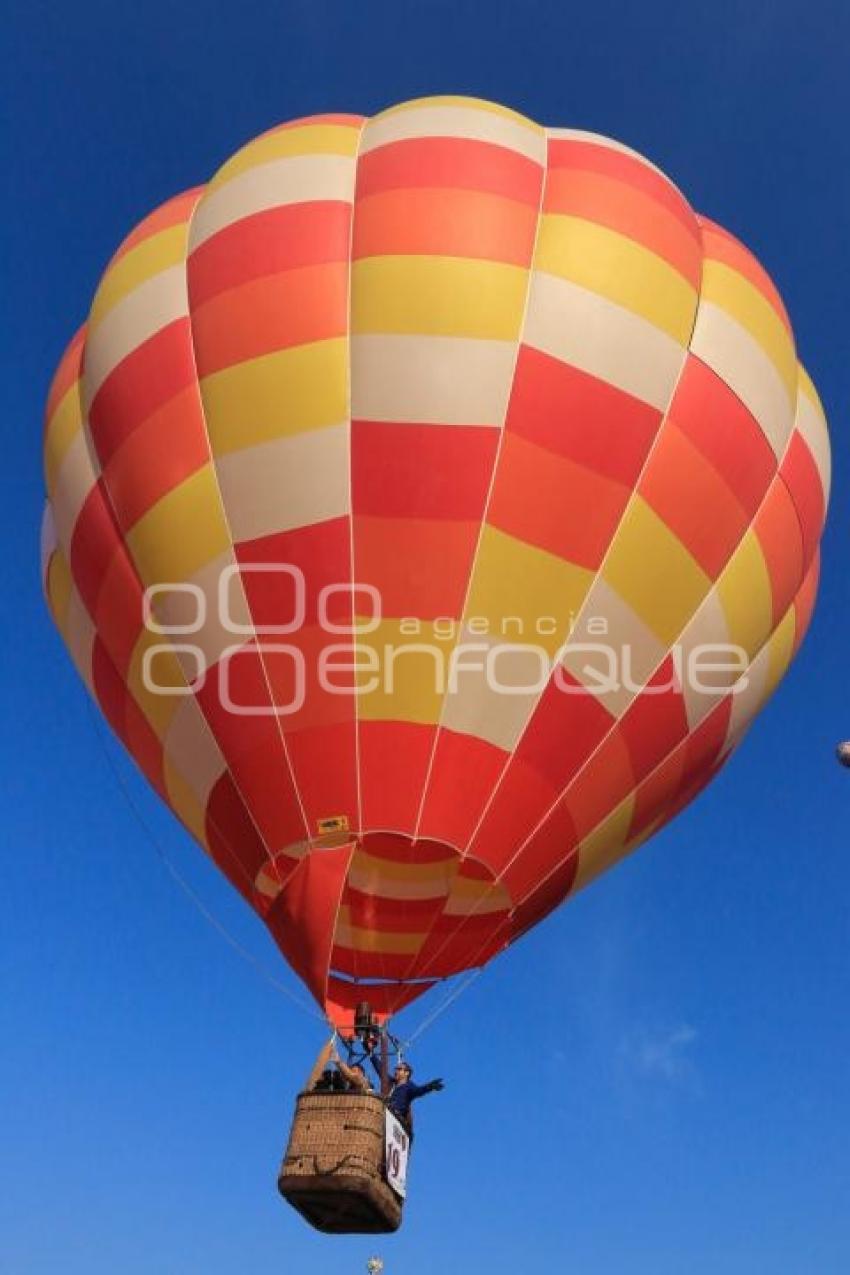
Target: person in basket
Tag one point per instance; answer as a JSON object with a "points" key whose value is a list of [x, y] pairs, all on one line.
{"points": [[404, 1091]]}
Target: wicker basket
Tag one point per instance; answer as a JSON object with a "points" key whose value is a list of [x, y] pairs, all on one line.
{"points": [[333, 1170]]}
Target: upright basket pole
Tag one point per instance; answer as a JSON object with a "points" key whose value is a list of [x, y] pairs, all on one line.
{"points": [[385, 1078]]}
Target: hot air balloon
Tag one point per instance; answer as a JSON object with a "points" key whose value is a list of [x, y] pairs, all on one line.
{"points": [[433, 501]]}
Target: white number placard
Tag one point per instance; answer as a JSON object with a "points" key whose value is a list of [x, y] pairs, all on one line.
{"points": [[397, 1147]]}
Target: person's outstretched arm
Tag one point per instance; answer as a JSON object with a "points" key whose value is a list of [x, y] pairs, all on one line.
{"points": [[419, 1091]]}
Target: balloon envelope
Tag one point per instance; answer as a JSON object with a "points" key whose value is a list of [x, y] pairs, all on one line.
{"points": [[433, 500]]}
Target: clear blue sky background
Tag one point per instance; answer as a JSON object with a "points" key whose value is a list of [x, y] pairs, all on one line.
{"points": [[656, 1081]]}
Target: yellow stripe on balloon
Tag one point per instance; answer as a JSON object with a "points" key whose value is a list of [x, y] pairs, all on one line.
{"points": [[59, 588], [164, 672], [618, 268], [652, 571], [811, 422], [292, 390], [780, 651], [462, 103], [406, 672], [303, 139], [471, 897], [517, 586], [806, 386], [150, 257], [746, 597], [607, 843], [387, 942], [181, 532], [390, 880], [740, 299], [62, 428], [438, 296]]}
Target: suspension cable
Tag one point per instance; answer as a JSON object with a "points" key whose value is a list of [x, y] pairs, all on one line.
{"points": [[440, 1009], [184, 885]]}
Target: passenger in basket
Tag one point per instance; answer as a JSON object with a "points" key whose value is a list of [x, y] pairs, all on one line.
{"points": [[355, 1077], [403, 1092], [331, 1075]]}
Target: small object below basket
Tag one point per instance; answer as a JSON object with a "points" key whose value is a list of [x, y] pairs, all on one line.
{"points": [[333, 1170]]}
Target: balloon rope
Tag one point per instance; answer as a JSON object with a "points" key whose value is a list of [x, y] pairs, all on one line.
{"points": [[441, 1009], [184, 885]]}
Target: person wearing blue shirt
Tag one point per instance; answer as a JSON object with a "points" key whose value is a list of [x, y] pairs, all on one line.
{"points": [[404, 1092]]}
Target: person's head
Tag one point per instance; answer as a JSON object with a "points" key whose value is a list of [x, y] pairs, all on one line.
{"points": [[403, 1072], [358, 1067]]}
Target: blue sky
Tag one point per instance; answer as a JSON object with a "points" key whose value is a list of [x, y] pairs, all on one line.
{"points": [[655, 1081]]}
